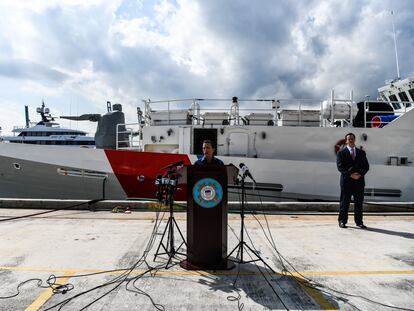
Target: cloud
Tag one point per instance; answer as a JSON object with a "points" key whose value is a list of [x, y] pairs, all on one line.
{"points": [[22, 69], [129, 50]]}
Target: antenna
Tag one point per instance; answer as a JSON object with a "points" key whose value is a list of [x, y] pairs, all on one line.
{"points": [[395, 45], [26, 114]]}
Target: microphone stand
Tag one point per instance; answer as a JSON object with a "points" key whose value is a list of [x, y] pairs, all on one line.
{"points": [[242, 244], [169, 247]]}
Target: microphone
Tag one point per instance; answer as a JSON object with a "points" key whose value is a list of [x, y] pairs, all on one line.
{"points": [[171, 171], [246, 172], [170, 188], [158, 183], [179, 163], [173, 180]]}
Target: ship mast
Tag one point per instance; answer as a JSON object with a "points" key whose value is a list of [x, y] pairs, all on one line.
{"points": [[395, 45]]}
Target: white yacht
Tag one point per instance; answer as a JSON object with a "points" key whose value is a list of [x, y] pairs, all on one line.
{"points": [[48, 132]]}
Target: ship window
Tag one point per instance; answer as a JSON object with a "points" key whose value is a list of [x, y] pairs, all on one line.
{"points": [[393, 98], [404, 160], [17, 166], [411, 92], [403, 96]]}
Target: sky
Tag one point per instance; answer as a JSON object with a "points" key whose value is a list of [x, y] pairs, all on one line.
{"points": [[76, 55]]}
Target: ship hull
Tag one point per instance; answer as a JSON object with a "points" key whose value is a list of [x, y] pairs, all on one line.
{"points": [[49, 172]]}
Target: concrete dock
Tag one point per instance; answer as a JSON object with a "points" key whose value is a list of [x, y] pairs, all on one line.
{"points": [[104, 261]]}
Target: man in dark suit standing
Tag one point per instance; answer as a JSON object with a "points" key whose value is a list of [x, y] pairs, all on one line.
{"points": [[353, 164]]}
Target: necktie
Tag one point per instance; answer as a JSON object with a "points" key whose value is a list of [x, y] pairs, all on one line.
{"points": [[353, 153]]}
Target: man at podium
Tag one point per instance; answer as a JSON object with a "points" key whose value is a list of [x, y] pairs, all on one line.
{"points": [[208, 155]]}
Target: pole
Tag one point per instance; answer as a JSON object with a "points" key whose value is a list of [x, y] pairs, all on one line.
{"points": [[242, 244], [242, 219], [395, 45]]}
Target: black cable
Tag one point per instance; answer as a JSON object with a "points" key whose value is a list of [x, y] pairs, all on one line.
{"points": [[237, 298], [64, 288], [322, 201], [261, 272], [39, 284], [267, 281], [317, 284], [142, 259], [51, 283], [285, 270], [52, 211], [240, 305]]}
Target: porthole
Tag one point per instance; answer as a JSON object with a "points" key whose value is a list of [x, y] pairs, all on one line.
{"points": [[17, 166]]}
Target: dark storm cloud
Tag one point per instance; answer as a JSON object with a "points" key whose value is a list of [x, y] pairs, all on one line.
{"points": [[268, 29], [151, 73], [242, 22], [72, 35], [21, 69], [271, 48]]}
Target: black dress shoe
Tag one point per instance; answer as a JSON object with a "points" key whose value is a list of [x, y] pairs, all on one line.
{"points": [[342, 225], [362, 226]]}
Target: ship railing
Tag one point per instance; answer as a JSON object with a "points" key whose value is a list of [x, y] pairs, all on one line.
{"points": [[233, 111], [129, 136]]}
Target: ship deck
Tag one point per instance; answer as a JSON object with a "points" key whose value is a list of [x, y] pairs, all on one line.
{"points": [[104, 261]]}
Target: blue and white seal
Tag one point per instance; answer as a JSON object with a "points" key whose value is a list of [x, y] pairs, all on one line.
{"points": [[207, 192]]}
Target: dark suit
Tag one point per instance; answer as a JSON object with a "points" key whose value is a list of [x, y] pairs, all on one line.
{"points": [[203, 161], [351, 187]]}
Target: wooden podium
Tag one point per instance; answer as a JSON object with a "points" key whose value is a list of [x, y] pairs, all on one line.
{"points": [[207, 215]]}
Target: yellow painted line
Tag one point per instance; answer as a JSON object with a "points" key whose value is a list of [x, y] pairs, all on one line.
{"points": [[45, 296], [355, 272], [298, 276], [315, 294], [51, 270], [199, 272]]}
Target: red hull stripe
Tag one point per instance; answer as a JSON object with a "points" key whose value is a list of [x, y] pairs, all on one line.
{"points": [[129, 166]]}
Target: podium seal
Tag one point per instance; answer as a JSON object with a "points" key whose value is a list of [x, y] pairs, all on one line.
{"points": [[207, 192]]}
